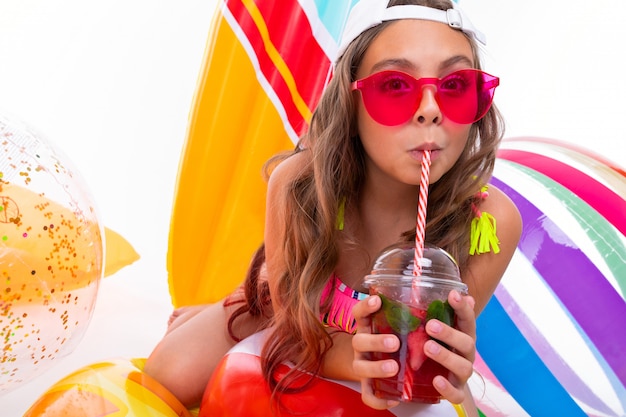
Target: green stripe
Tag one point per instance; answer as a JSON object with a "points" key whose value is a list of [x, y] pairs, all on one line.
{"points": [[603, 235]]}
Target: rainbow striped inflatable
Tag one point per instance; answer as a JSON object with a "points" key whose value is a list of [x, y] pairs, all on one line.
{"points": [[551, 337], [551, 340]]}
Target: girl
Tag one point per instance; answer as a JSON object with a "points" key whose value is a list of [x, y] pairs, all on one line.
{"points": [[408, 79]]}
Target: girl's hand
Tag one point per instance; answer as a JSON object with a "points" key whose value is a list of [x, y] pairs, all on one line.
{"points": [[462, 341], [363, 342]]}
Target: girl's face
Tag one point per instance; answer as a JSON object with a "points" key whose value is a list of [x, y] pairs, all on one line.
{"points": [[422, 49]]}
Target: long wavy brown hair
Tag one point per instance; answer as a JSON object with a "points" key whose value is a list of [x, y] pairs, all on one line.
{"points": [[336, 172]]}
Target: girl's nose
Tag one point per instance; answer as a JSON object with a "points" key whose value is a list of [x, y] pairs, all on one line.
{"points": [[428, 110]]}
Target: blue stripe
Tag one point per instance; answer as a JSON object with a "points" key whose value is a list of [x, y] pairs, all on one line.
{"points": [[333, 14], [520, 370], [562, 370]]}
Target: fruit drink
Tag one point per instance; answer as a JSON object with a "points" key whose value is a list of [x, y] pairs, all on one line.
{"points": [[408, 303], [414, 380]]}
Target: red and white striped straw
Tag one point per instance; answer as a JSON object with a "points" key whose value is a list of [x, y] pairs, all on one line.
{"points": [[420, 230]]}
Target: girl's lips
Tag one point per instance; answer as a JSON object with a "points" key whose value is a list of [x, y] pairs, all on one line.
{"points": [[418, 153]]}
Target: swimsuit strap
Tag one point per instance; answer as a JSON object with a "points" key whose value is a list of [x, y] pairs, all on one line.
{"points": [[341, 214]]}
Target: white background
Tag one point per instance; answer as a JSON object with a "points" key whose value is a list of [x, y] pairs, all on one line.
{"points": [[110, 83]]}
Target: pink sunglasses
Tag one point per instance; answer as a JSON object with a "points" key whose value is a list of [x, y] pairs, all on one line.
{"points": [[391, 98]]}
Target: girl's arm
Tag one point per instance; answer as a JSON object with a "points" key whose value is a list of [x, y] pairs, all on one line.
{"points": [[275, 214]]}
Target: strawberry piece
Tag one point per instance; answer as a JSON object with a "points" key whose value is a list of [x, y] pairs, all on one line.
{"points": [[415, 343], [419, 313]]}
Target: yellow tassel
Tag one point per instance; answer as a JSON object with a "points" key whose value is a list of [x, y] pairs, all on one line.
{"points": [[483, 235]]}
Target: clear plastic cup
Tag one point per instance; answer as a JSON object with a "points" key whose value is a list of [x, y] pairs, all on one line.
{"points": [[408, 302]]}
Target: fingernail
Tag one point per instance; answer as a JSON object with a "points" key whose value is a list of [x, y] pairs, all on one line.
{"points": [[434, 326], [456, 296], [389, 342], [388, 367], [371, 301], [433, 347], [439, 382]]}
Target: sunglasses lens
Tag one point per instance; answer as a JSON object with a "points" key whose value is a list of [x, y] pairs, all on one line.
{"points": [[465, 96], [391, 98]]}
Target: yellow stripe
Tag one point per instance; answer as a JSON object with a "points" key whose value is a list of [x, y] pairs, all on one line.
{"points": [[460, 410], [278, 61]]}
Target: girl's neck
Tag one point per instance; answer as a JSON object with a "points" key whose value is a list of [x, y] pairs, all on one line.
{"points": [[387, 201], [370, 225]]}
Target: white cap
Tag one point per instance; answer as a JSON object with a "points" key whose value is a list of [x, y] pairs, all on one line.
{"points": [[369, 13]]}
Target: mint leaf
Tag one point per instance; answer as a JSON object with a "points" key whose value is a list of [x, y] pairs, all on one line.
{"points": [[399, 316], [440, 310]]}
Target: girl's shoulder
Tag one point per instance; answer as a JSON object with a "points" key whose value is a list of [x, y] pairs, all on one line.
{"points": [[290, 167], [283, 174], [500, 206]]}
